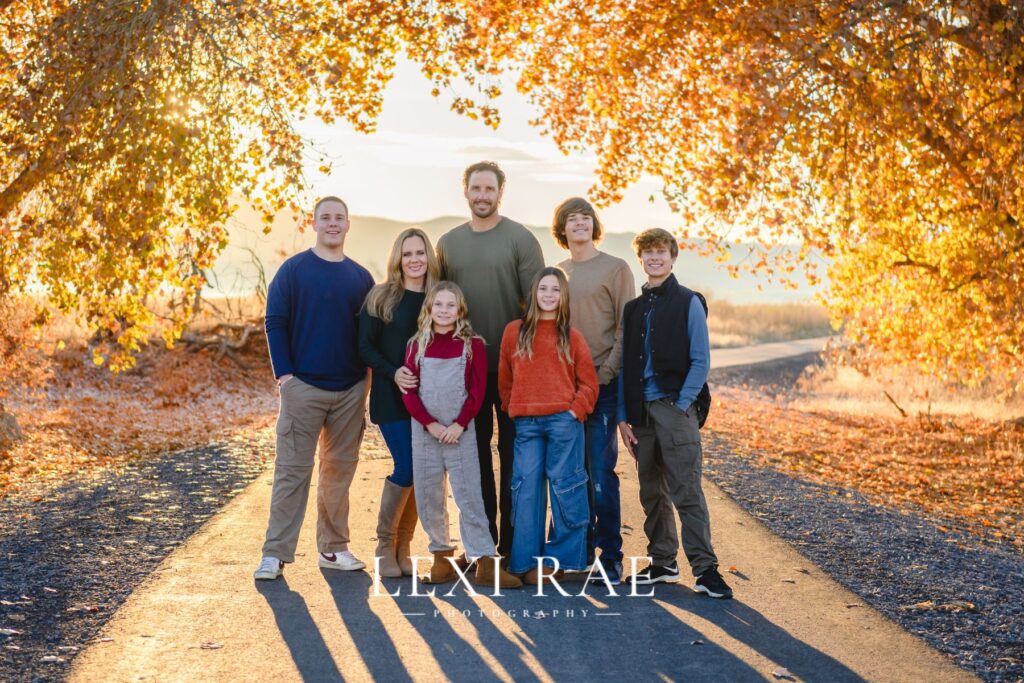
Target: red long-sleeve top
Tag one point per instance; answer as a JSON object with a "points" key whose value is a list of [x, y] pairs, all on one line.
{"points": [[446, 346], [545, 384]]}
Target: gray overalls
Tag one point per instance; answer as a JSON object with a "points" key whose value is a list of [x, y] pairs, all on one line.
{"points": [[442, 388]]}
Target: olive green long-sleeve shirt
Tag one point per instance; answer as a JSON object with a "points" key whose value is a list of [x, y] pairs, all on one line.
{"points": [[495, 269]]}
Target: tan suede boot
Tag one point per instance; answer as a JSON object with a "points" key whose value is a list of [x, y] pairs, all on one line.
{"points": [[485, 568], [441, 571], [392, 502], [530, 578], [404, 534]]}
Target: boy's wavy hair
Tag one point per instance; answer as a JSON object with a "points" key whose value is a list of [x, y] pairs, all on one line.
{"points": [[561, 217], [383, 298], [425, 323], [528, 330]]}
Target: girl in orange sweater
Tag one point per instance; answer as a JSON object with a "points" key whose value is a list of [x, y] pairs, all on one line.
{"points": [[547, 383]]}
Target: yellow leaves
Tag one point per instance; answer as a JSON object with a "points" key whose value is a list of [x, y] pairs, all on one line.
{"points": [[813, 137]]}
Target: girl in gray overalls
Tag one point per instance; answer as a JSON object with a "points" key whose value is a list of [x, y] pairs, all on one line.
{"points": [[450, 363]]}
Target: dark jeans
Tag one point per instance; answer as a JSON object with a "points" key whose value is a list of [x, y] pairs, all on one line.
{"points": [[602, 449], [506, 449], [398, 437]]}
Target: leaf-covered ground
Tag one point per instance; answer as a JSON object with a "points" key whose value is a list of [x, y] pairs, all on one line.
{"points": [[942, 496], [82, 417], [967, 471]]}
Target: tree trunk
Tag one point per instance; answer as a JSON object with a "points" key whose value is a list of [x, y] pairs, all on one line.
{"points": [[9, 430]]}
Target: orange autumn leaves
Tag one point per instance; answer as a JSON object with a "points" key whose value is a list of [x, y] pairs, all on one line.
{"points": [[967, 471], [884, 139], [82, 419], [127, 128]]}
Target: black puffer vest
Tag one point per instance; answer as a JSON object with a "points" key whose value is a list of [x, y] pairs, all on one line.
{"points": [[669, 304]]}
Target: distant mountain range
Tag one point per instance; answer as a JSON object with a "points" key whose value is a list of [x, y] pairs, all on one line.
{"points": [[370, 239]]}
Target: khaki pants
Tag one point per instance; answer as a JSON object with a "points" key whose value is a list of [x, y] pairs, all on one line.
{"points": [[336, 419], [669, 461]]}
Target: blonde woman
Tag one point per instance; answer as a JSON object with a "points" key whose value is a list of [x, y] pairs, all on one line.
{"points": [[386, 323], [547, 383], [450, 363]]}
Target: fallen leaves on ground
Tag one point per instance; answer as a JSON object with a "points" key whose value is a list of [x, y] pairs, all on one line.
{"points": [[953, 606], [966, 470], [85, 417]]}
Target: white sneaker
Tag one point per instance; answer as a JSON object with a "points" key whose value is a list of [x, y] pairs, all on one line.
{"points": [[270, 568], [344, 560]]}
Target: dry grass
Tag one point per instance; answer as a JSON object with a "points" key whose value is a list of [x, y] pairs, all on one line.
{"points": [[732, 325], [837, 388]]}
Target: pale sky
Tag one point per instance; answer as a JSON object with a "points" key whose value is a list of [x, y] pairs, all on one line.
{"points": [[410, 169]]}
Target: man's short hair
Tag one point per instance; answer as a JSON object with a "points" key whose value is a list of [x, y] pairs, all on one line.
{"points": [[655, 237], [484, 166], [329, 198], [570, 206]]}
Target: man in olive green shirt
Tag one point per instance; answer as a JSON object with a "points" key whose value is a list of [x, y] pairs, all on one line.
{"points": [[599, 287], [494, 260]]}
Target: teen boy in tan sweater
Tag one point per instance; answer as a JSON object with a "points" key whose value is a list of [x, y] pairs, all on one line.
{"points": [[599, 286]]}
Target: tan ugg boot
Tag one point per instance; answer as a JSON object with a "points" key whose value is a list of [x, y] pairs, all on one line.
{"points": [[392, 502], [530, 578], [441, 571], [485, 568], [404, 534]]}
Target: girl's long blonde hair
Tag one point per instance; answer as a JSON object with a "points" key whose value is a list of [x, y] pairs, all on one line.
{"points": [[425, 324], [528, 330], [382, 299]]}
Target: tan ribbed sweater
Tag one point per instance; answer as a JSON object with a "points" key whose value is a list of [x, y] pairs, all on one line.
{"points": [[598, 290]]}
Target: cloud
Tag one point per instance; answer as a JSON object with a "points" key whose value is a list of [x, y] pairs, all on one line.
{"points": [[564, 178], [497, 152]]}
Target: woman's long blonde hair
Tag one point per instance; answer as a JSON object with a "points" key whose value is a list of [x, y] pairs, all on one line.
{"points": [[425, 324], [528, 330], [382, 299]]}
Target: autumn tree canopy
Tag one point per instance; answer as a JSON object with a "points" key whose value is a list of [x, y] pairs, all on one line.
{"points": [[883, 137], [125, 128]]}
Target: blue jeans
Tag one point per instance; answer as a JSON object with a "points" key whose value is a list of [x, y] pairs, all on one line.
{"points": [[549, 454], [602, 444], [398, 437]]}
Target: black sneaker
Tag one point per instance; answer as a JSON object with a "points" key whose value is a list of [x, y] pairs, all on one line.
{"points": [[657, 574], [712, 583], [613, 568]]}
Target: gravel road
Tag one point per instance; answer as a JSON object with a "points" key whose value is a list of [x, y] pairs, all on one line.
{"points": [[963, 596], [69, 556]]}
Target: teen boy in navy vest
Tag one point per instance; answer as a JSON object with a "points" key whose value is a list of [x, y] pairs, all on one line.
{"points": [[665, 361], [312, 312]]}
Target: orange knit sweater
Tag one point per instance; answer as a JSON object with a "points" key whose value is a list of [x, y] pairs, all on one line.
{"points": [[546, 384]]}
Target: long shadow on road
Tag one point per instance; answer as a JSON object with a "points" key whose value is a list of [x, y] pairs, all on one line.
{"points": [[674, 635], [372, 640], [298, 630]]}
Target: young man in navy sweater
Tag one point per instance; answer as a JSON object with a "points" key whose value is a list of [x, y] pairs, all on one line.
{"points": [[312, 313], [665, 362]]}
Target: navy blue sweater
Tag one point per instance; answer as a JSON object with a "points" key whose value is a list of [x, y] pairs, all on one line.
{"points": [[312, 320]]}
